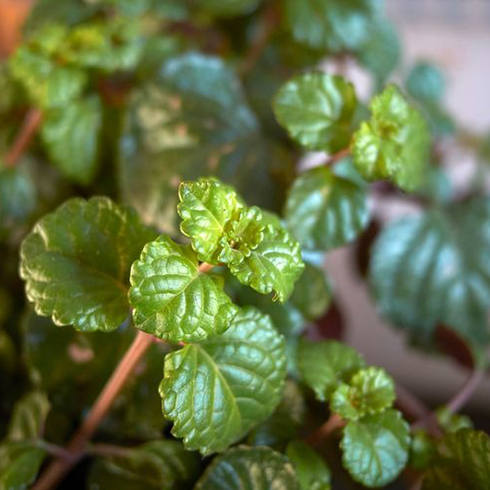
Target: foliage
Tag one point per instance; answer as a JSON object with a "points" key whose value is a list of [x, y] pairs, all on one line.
{"points": [[150, 199]]}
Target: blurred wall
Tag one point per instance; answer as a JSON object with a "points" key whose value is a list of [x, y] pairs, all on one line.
{"points": [[456, 35]]}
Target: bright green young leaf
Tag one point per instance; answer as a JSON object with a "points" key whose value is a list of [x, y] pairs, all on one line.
{"points": [[317, 110], [324, 210], [286, 421], [311, 470], [452, 422], [196, 120], [206, 208], [249, 468], [71, 136], [217, 390], [462, 462], [446, 275], [172, 299], [227, 8], [273, 266], [76, 263], [28, 417], [335, 25], [19, 465], [394, 144], [312, 292], [324, 365], [369, 391], [425, 82], [156, 465], [375, 448]]}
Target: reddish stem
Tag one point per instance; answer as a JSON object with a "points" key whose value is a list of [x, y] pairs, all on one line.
{"points": [[338, 156], [331, 425], [31, 124], [76, 447], [465, 393]]}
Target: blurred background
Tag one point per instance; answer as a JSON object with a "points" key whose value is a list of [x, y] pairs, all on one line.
{"points": [[454, 34]]}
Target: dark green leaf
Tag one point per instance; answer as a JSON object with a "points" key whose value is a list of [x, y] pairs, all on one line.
{"points": [[324, 210], [445, 275], [312, 292], [284, 424], [380, 51], [156, 465], [227, 8], [323, 365], [394, 144], [217, 390], [249, 468], [369, 391], [273, 266], [71, 137], [19, 465], [422, 449], [311, 470], [28, 417], [195, 119], [172, 299], [335, 25], [375, 448], [462, 462], [317, 110], [425, 82], [76, 263]]}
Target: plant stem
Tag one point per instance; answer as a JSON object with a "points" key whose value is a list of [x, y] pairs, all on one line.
{"points": [[267, 25], [338, 156], [32, 121], [76, 447], [204, 268], [331, 425], [466, 391], [415, 408]]}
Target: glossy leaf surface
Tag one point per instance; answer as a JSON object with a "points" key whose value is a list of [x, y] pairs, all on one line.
{"points": [[76, 263], [247, 468], [172, 299], [217, 390], [311, 470]]}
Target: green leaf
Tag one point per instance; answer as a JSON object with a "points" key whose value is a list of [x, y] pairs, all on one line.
{"points": [[422, 448], [206, 207], [369, 391], [325, 211], [452, 422], [425, 82], [323, 365], [28, 417], [273, 266], [18, 196], [394, 144], [228, 8], [317, 110], [195, 118], [380, 51], [311, 470], [156, 465], [462, 462], [446, 276], [19, 465], [172, 299], [217, 390], [286, 421], [249, 468], [335, 25], [375, 448], [76, 263], [312, 293], [71, 137]]}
